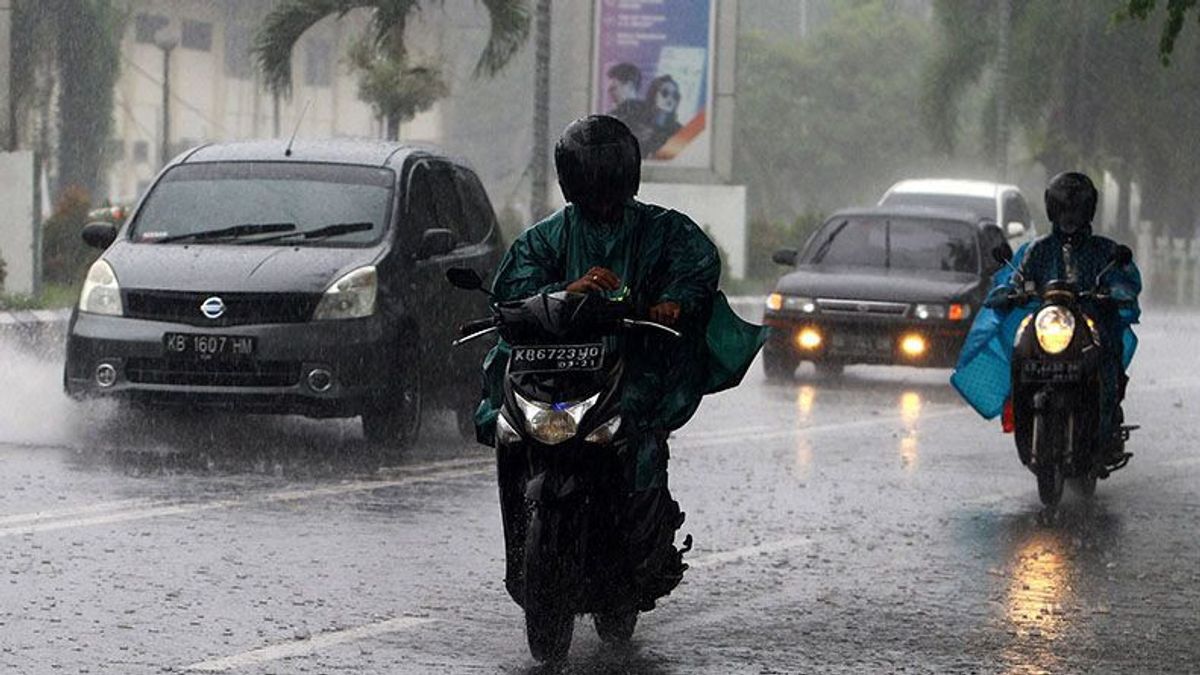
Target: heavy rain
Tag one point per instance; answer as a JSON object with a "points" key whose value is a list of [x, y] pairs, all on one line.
{"points": [[599, 336]]}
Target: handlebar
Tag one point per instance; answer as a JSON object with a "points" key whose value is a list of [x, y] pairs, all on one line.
{"points": [[475, 326], [473, 330]]}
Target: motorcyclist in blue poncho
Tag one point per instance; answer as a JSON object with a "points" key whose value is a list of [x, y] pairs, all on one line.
{"points": [[1072, 252]]}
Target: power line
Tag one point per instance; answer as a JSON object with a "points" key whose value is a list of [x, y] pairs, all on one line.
{"points": [[174, 96]]}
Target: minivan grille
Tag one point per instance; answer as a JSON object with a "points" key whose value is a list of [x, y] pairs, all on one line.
{"points": [[862, 307], [240, 308], [212, 373]]}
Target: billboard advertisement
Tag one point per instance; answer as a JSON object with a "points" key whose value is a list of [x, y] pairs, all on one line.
{"points": [[652, 68]]}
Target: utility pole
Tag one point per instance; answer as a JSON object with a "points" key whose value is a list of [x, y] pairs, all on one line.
{"points": [[8, 135], [539, 174], [167, 42], [1004, 19]]}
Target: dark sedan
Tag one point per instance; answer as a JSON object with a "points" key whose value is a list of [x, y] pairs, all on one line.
{"points": [[305, 280], [888, 285]]}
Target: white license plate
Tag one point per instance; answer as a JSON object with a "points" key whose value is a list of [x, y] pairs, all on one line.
{"points": [[554, 358]]}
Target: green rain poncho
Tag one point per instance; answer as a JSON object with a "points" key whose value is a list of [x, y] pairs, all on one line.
{"points": [[660, 256]]}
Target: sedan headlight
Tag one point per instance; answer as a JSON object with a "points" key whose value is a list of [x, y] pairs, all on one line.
{"points": [[791, 303], [926, 312], [351, 297], [553, 423], [1055, 327], [101, 293]]}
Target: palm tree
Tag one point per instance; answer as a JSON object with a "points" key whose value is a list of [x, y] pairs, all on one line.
{"points": [[397, 89]]}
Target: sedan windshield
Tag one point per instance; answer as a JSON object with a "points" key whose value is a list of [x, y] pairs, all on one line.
{"points": [[250, 201], [896, 243], [981, 207]]}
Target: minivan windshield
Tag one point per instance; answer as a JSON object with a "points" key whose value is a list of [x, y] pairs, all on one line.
{"points": [[895, 243], [255, 202]]}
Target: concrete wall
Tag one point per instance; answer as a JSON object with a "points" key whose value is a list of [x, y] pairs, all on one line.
{"points": [[19, 243]]}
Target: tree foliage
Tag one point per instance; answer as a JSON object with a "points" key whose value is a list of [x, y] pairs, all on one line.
{"points": [[389, 81], [1176, 10], [831, 120], [1086, 93]]}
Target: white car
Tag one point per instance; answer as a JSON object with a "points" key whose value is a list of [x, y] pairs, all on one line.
{"points": [[1000, 203]]}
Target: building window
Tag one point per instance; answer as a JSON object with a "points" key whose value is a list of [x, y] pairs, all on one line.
{"points": [[196, 35], [238, 63], [318, 63], [147, 25], [141, 151]]}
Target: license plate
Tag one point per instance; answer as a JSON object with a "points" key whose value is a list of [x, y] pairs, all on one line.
{"points": [[1051, 371], [556, 358], [859, 344], [208, 346]]}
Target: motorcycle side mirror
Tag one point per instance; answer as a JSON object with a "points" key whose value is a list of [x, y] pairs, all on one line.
{"points": [[464, 278], [1122, 256]]}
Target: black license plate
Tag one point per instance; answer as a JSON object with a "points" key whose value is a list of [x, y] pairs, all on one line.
{"points": [[860, 344], [192, 345], [556, 358], [1051, 371]]}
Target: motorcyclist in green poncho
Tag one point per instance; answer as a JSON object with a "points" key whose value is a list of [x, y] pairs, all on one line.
{"points": [[605, 241], [663, 264]]}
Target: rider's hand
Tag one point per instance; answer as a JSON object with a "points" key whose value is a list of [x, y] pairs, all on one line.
{"points": [[597, 279], [666, 313]]}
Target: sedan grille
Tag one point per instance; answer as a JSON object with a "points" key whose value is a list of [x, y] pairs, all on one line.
{"points": [[212, 373], [862, 307], [239, 308]]}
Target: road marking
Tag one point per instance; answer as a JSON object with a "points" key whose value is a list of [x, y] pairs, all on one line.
{"points": [[308, 645], [159, 510], [98, 507], [738, 554]]}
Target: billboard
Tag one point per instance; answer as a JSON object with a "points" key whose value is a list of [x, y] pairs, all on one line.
{"points": [[652, 69]]}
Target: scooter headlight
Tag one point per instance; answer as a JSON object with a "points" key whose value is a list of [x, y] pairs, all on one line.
{"points": [[1055, 327], [606, 432], [553, 423]]}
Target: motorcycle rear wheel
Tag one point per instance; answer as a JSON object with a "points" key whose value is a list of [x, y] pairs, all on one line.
{"points": [[616, 627]]}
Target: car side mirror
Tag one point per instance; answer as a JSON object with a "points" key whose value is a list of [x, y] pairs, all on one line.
{"points": [[464, 278], [99, 234], [1122, 256], [436, 242], [1015, 229], [785, 256]]}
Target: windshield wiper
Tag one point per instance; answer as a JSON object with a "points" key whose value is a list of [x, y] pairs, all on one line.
{"points": [[232, 232], [819, 256], [320, 233]]}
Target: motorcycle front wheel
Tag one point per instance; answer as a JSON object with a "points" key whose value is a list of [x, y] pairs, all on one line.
{"points": [[616, 627], [549, 616], [1050, 483], [1049, 446]]}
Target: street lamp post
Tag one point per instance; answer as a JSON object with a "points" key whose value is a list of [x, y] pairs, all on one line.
{"points": [[167, 42]]}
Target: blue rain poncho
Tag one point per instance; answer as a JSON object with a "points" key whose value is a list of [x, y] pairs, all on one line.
{"points": [[983, 374]]}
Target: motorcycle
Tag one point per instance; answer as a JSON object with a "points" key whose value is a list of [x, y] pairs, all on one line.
{"points": [[1055, 409], [563, 468]]}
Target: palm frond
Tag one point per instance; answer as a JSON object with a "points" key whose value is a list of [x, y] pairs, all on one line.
{"points": [[509, 31], [283, 27]]}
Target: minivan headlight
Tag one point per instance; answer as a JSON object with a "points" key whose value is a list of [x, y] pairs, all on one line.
{"points": [[101, 293], [351, 297], [553, 423], [1055, 327]]}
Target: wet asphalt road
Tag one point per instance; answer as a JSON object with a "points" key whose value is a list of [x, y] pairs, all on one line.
{"points": [[866, 524]]}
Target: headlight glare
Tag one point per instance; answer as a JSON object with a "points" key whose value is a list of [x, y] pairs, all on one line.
{"points": [[351, 297], [553, 423], [101, 293], [1055, 327]]}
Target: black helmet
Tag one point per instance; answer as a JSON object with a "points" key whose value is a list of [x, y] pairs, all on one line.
{"points": [[599, 164], [1071, 201]]}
